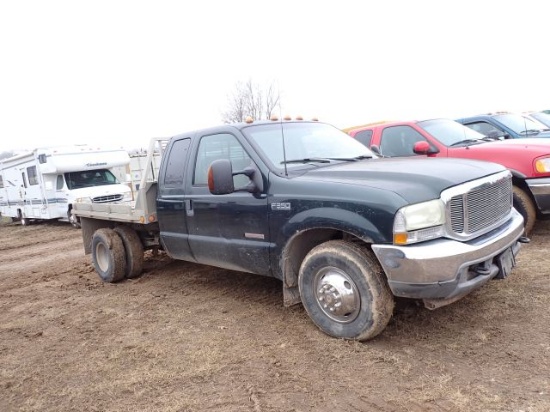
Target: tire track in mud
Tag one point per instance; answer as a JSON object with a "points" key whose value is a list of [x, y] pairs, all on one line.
{"points": [[28, 257], [14, 236]]}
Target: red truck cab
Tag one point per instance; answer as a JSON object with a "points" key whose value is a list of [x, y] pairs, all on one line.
{"points": [[528, 159]]}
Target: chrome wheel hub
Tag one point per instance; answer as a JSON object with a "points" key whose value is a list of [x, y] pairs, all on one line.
{"points": [[337, 294]]}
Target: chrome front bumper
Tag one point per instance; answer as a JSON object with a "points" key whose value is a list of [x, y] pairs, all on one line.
{"points": [[445, 268]]}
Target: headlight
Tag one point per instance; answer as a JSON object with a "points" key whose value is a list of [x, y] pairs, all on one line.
{"points": [[416, 223], [127, 197], [543, 165], [83, 200]]}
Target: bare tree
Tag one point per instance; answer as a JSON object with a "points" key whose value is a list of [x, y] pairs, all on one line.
{"points": [[250, 99], [5, 155]]}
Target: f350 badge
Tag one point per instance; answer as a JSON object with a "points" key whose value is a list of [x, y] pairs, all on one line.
{"points": [[280, 206]]}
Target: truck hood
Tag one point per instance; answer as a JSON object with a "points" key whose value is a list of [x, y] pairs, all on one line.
{"points": [[414, 179], [98, 191], [537, 146]]}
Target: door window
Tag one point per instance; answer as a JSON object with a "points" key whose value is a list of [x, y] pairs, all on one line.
{"points": [[59, 182], [397, 141], [364, 136], [221, 146], [33, 177]]}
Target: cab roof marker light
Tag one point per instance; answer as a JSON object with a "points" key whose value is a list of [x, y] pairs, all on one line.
{"points": [[249, 119]]}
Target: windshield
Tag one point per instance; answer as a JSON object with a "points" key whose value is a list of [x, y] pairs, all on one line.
{"points": [[89, 178], [449, 132], [519, 123], [304, 141], [544, 118]]}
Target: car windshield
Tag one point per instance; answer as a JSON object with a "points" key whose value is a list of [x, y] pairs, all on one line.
{"points": [[518, 123], [449, 132], [88, 178], [305, 142], [544, 118]]}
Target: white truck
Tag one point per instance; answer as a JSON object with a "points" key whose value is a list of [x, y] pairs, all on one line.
{"points": [[43, 184]]}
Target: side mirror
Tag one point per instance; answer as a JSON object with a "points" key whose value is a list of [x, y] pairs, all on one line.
{"points": [[495, 134], [375, 149], [220, 177], [421, 148]]}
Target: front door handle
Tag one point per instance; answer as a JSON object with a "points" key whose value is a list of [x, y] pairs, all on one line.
{"points": [[189, 207]]}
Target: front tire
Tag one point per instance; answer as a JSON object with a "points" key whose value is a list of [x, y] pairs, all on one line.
{"points": [[73, 220], [108, 255], [525, 206], [344, 291]]}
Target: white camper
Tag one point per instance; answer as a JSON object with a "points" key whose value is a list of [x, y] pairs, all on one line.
{"points": [[44, 183]]}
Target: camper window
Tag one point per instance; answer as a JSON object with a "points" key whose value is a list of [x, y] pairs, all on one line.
{"points": [[59, 182], [1, 183], [42, 158], [31, 173]]}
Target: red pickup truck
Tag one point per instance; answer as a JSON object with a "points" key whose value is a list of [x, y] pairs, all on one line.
{"points": [[528, 159]]}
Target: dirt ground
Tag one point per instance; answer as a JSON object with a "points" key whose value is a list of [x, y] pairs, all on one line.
{"points": [[185, 337]]}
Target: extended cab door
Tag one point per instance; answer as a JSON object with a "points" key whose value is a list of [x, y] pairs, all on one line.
{"points": [[229, 231], [171, 202]]}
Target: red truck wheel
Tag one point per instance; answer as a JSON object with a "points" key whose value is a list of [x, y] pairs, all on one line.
{"points": [[108, 255], [525, 206], [133, 249], [344, 291]]}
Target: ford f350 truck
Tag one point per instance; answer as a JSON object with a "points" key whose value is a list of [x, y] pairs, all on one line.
{"points": [[345, 231]]}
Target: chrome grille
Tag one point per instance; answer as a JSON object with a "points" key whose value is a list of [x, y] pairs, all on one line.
{"points": [[107, 198], [480, 207]]}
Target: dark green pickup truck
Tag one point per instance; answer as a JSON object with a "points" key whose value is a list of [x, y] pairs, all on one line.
{"points": [[301, 201]]}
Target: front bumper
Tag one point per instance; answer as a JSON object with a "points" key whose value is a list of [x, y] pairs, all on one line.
{"points": [[447, 269], [540, 188]]}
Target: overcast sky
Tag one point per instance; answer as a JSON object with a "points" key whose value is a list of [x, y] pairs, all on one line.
{"points": [[120, 72]]}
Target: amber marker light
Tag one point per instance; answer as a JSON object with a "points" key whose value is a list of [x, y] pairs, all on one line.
{"points": [[400, 238], [210, 176]]}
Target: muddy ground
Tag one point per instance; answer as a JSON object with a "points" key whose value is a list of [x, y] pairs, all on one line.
{"points": [[185, 337]]}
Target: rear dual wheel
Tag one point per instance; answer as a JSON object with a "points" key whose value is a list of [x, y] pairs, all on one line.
{"points": [[133, 250], [117, 254]]}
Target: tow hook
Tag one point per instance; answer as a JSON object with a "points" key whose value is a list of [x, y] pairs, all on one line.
{"points": [[524, 239]]}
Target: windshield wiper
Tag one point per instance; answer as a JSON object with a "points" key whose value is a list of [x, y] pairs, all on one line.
{"points": [[465, 142], [307, 160], [530, 131], [351, 159], [327, 159]]}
